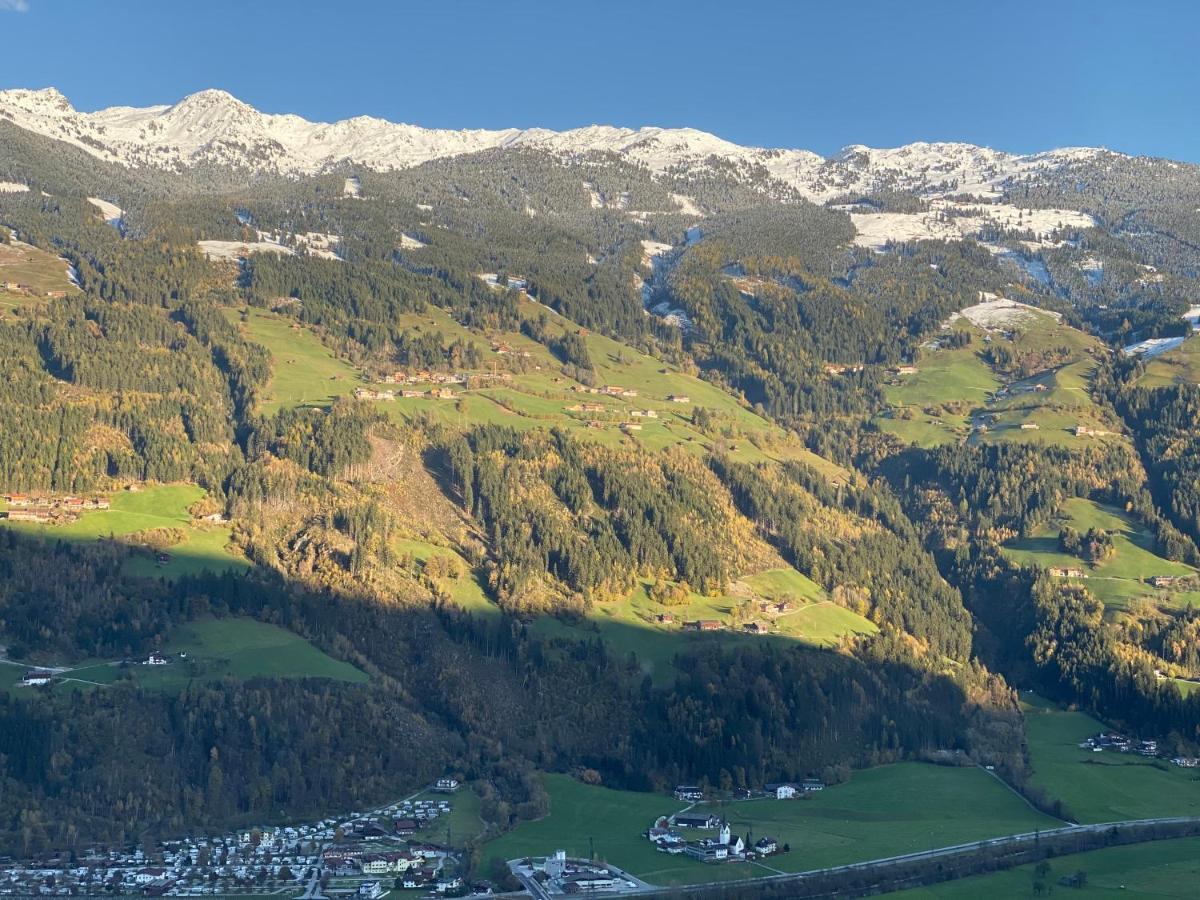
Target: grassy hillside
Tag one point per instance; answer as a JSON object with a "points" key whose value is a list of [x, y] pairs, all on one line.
{"points": [[1117, 580], [1178, 366], [1102, 787], [218, 648], [1042, 385], [1167, 869], [632, 625], [205, 545], [539, 395], [304, 371], [881, 812], [40, 271]]}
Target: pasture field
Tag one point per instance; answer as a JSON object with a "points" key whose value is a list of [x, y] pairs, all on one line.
{"points": [[40, 271], [462, 824], [957, 389], [1178, 366], [304, 372], [880, 812], [236, 647], [1121, 578], [307, 373], [631, 625], [1106, 786], [205, 546], [1167, 869]]}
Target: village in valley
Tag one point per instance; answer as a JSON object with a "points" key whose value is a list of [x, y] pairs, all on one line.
{"points": [[402, 846]]}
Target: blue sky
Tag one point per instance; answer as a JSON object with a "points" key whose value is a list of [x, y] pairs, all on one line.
{"points": [[1016, 75]]}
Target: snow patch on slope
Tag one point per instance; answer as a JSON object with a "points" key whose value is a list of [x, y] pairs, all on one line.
{"points": [[13, 187], [112, 213], [951, 221], [994, 313]]}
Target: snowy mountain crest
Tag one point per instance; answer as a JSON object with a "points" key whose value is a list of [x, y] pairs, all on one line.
{"points": [[214, 127]]}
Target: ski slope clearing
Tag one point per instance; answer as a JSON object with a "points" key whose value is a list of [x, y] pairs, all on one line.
{"points": [[950, 221], [312, 243], [1152, 347], [999, 313], [232, 251], [112, 213]]}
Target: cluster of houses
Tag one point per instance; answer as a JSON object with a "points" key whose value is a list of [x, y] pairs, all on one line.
{"points": [[437, 393], [250, 862], [609, 390], [16, 287], [424, 376], [31, 508], [1118, 743], [561, 874], [361, 855], [667, 836]]}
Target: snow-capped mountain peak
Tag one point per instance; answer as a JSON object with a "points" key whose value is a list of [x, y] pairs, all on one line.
{"points": [[214, 127]]}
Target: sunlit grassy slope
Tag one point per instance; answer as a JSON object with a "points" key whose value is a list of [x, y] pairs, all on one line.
{"points": [[205, 546], [1116, 580]]}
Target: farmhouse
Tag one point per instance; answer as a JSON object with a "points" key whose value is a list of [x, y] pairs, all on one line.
{"points": [[30, 514], [679, 398], [1029, 426], [35, 677], [809, 785], [703, 625], [906, 370], [766, 846], [665, 618], [782, 791], [1060, 572], [688, 792], [446, 785], [155, 659], [755, 628], [1166, 581], [404, 826]]}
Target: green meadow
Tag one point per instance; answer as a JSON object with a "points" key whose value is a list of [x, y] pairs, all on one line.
{"points": [[235, 647], [631, 625], [205, 546], [880, 812], [41, 271], [1178, 366], [1105, 786], [307, 373], [463, 823], [956, 389], [304, 372], [1121, 578]]}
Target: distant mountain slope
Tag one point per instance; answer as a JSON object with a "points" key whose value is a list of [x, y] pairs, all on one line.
{"points": [[212, 127]]}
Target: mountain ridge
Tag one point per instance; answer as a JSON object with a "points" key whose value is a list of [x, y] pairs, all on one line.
{"points": [[214, 127]]}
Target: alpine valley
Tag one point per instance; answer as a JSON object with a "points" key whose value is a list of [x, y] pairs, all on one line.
{"points": [[561, 472]]}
